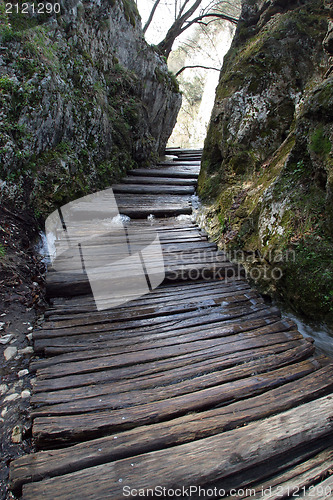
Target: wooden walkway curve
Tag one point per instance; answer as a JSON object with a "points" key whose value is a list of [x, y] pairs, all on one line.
{"points": [[197, 384]]}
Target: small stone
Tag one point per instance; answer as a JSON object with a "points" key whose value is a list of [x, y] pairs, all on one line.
{"points": [[26, 350], [16, 434], [4, 411], [18, 384], [3, 389], [30, 328], [12, 397], [6, 338], [2, 325], [23, 373], [25, 394], [10, 352], [29, 336]]}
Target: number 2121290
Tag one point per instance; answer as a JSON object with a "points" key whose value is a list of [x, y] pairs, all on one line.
{"points": [[40, 8]]}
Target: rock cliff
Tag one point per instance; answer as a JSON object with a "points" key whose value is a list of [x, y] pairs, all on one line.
{"points": [[267, 165], [83, 99]]}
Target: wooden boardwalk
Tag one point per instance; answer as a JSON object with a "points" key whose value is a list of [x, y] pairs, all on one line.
{"points": [[197, 384]]}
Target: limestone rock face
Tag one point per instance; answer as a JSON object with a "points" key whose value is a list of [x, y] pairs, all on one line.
{"points": [[267, 163], [83, 99]]}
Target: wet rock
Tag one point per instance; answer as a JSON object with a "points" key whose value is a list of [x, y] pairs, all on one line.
{"points": [[3, 389], [26, 350], [6, 338], [10, 353], [267, 165], [23, 373], [328, 40], [103, 81], [16, 434], [25, 394], [12, 397]]}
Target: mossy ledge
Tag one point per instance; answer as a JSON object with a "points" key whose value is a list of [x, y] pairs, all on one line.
{"points": [[267, 169]]}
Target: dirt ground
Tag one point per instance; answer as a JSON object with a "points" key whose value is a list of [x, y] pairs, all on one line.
{"points": [[21, 308]]}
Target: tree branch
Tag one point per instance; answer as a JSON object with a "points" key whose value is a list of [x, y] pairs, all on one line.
{"points": [[195, 66], [151, 15], [182, 8], [225, 17], [181, 24], [165, 45]]}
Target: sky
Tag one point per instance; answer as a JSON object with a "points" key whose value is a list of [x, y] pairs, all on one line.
{"points": [[211, 53]]}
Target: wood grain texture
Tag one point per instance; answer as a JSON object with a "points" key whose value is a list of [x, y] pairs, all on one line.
{"points": [[199, 382], [222, 455]]}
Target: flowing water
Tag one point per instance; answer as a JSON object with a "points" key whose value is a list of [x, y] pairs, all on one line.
{"points": [[320, 332]]}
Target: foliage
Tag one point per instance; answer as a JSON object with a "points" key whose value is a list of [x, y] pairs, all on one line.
{"points": [[320, 144]]}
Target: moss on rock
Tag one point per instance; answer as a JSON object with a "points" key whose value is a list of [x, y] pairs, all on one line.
{"points": [[76, 91], [267, 162]]}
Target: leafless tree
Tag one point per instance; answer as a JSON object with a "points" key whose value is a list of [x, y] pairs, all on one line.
{"points": [[187, 13]]}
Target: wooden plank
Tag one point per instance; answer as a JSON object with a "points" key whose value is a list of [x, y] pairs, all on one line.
{"points": [[152, 341], [44, 382], [189, 326], [165, 290], [202, 263], [183, 319], [167, 373], [86, 361], [323, 490], [173, 253], [66, 428], [71, 306], [166, 181], [167, 171], [295, 481], [252, 444], [69, 284], [84, 304], [160, 309], [126, 394], [37, 466], [152, 189]]}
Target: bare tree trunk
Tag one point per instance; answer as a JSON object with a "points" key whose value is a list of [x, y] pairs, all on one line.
{"points": [[165, 45]]}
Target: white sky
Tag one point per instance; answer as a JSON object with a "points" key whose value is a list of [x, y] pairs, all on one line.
{"points": [[210, 52], [162, 20]]}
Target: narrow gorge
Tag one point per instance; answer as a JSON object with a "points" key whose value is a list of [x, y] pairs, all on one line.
{"points": [[193, 378]]}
